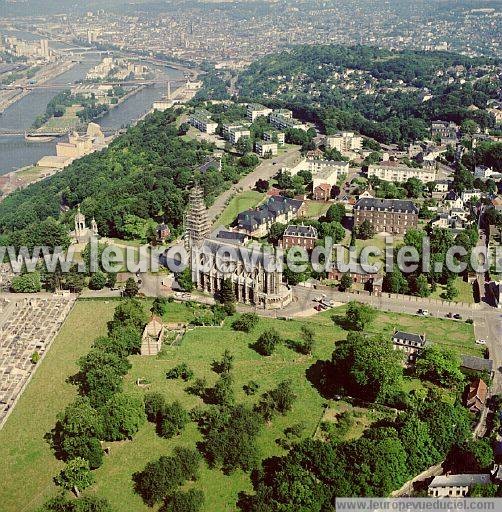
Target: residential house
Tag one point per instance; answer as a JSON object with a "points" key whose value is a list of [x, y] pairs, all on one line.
{"points": [[409, 343], [299, 236], [476, 397]]}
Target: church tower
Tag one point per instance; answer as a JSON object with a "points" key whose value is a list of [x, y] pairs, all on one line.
{"points": [[80, 227], [197, 224]]}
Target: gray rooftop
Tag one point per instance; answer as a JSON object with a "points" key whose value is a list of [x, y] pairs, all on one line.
{"points": [[459, 480], [391, 205]]}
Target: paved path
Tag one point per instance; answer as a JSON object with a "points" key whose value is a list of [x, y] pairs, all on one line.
{"points": [[265, 171]]}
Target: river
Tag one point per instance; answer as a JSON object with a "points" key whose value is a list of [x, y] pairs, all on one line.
{"points": [[15, 152]]}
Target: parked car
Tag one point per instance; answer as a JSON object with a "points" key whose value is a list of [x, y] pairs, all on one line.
{"points": [[449, 315], [423, 312], [456, 316], [481, 342]]}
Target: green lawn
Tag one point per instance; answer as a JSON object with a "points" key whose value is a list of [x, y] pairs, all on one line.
{"points": [[239, 203], [464, 291], [316, 208], [26, 456]]}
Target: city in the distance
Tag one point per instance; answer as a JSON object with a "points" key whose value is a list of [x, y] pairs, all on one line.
{"points": [[250, 255]]}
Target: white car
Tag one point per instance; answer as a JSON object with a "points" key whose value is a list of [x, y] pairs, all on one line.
{"points": [[481, 342], [423, 312]]}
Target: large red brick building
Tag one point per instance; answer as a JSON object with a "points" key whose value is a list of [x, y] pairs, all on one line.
{"points": [[393, 216]]}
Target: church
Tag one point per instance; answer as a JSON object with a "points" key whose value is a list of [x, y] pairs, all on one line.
{"points": [[82, 234], [222, 255]]}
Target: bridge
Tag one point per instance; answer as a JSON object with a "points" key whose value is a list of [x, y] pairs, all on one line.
{"points": [[129, 83]]}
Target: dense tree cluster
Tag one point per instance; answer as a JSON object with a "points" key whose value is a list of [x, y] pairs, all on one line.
{"points": [[339, 109], [144, 173]]}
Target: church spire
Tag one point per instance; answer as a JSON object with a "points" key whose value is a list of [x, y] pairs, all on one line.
{"points": [[197, 224]]}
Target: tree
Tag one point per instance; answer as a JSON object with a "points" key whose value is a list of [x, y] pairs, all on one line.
{"points": [[159, 479], [334, 230], [345, 282], [76, 475], [262, 185], [111, 279], [184, 501], [155, 404], [230, 438], [307, 336], [97, 281], [420, 286], [128, 313], [61, 503], [183, 129], [122, 417], [336, 212], [367, 366], [226, 364], [159, 306], [365, 230], [439, 364], [184, 280], [417, 442], [131, 288], [87, 448], [359, 315], [246, 322], [222, 393], [414, 188], [267, 342], [279, 400], [395, 282], [469, 127], [227, 294], [451, 291], [100, 375], [26, 283], [473, 455], [275, 232], [173, 420]]}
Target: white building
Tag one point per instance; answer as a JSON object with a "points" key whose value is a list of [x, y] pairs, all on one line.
{"points": [[265, 148], [402, 173], [455, 486], [201, 119], [274, 136], [283, 119], [255, 110], [235, 133], [345, 142]]}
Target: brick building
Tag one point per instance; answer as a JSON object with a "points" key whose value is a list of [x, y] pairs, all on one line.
{"points": [[393, 216], [299, 236]]}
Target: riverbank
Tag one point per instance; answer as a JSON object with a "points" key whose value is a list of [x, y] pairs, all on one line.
{"points": [[41, 78]]}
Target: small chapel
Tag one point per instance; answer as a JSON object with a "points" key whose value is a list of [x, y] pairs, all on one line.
{"points": [[82, 233]]}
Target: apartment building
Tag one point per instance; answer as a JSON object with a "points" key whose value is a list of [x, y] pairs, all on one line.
{"points": [[201, 119], [283, 120], [396, 173], [345, 142], [263, 148], [235, 133], [255, 110], [275, 136]]}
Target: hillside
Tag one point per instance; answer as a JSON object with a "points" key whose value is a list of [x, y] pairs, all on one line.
{"points": [[389, 95], [145, 173]]}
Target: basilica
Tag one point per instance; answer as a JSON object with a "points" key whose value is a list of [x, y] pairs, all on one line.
{"points": [[221, 254]]}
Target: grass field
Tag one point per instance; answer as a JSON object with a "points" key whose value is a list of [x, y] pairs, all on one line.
{"points": [[464, 291], [239, 203], [68, 121], [27, 457], [316, 209]]}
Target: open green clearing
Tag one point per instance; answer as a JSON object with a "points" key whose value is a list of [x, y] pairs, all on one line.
{"points": [[465, 293], [27, 457], [316, 209], [68, 121], [239, 203]]}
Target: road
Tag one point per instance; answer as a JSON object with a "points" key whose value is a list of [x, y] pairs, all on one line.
{"points": [[487, 320], [265, 170]]}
